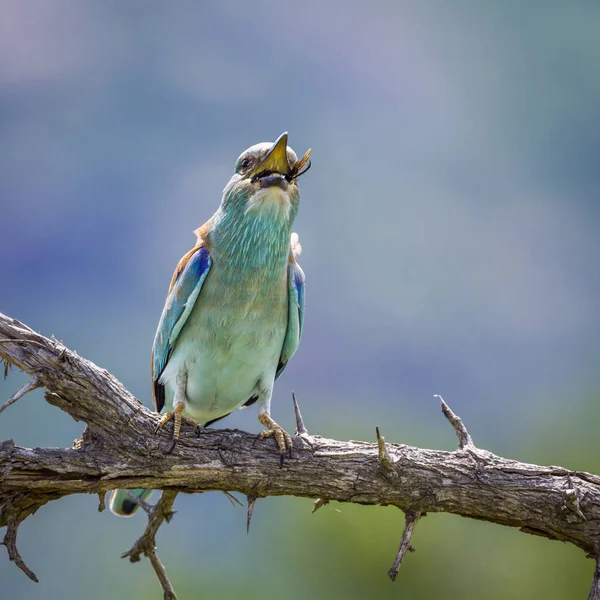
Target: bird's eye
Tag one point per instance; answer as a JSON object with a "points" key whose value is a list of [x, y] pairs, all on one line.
{"points": [[245, 163]]}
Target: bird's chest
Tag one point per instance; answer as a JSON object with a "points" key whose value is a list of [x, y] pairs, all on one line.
{"points": [[232, 340], [240, 314]]}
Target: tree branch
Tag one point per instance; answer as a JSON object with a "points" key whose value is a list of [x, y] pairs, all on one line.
{"points": [[146, 544], [10, 541], [411, 519], [595, 590], [119, 449]]}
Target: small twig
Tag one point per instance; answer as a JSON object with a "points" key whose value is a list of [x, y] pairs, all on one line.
{"points": [[161, 512], [31, 385], [145, 506], [384, 456], [251, 503], [300, 428], [572, 499], [232, 499], [464, 439], [161, 574], [146, 544], [411, 520], [595, 590], [10, 541], [318, 503]]}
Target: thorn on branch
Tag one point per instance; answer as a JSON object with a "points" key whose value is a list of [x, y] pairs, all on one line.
{"points": [[464, 439], [10, 541], [411, 519], [7, 366], [595, 590], [300, 428], [31, 385], [573, 498], [146, 544], [384, 456], [318, 503], [251, 503]]}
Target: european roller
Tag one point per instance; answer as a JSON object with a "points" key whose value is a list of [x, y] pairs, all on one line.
{"points": [[233, 315]]}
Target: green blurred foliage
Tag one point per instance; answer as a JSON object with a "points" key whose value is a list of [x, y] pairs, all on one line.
{"points": [[344, 551]]}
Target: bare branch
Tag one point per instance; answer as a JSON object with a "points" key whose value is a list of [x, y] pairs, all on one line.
{"points": [[146, 544], [595, 589], [118, 449], [10, 541], [232, 499], [464, 439], [161, 574], [160, 513], [411, 519], [145, 506], [31, 385]]}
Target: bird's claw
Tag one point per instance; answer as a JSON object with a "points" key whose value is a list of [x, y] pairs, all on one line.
{"points": [[282, 437], [163, 421], [177, 419]]}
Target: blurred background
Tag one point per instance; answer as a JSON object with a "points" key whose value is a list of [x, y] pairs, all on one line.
{"points": [[450, 233]]}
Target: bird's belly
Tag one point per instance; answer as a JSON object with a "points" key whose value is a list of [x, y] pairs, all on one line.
{"points": [[229, 350]]}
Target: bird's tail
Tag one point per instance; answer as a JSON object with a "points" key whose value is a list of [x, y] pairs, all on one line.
{"points": [[123, 505]]}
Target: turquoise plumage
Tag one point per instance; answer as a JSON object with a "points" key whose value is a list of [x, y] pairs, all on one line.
{"points": [[235, 309]]}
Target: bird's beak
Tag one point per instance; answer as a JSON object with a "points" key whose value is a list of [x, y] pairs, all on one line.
{"points": [[275, 160]]}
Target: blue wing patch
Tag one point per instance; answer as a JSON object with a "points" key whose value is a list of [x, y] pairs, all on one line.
{"points": [[178, 306], [299, 285], [295, 316]]}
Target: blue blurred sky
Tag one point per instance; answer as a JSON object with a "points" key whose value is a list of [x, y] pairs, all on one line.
{"points": [[449, 223]]}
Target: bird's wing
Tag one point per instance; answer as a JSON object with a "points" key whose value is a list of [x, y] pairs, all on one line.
{"points": [[295, 314], [184, 289]]}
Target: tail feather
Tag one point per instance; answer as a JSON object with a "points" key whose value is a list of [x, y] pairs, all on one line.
{"points": [[123, 505]]}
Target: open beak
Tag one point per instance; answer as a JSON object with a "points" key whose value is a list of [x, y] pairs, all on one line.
{"points": [[275, 160]]}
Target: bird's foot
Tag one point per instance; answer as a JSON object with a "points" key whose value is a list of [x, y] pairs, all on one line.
{"points": [[178, 419], [282, 437]]}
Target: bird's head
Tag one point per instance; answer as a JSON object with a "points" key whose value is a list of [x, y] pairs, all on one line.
{"points": [[265, 179]]}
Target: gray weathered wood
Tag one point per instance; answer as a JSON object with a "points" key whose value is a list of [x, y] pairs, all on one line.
{"points": [[119, 449]]}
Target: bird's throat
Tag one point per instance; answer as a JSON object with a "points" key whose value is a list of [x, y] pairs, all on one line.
{"points": [[273, 200], [256, 245]]}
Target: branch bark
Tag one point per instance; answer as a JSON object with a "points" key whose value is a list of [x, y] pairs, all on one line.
{"points": [[119, 449]]}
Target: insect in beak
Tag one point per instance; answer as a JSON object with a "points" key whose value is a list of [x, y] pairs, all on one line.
{"points": [[299, 168]]}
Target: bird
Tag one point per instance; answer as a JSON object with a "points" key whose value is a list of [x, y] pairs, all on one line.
{"points": [[234, 312]]}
